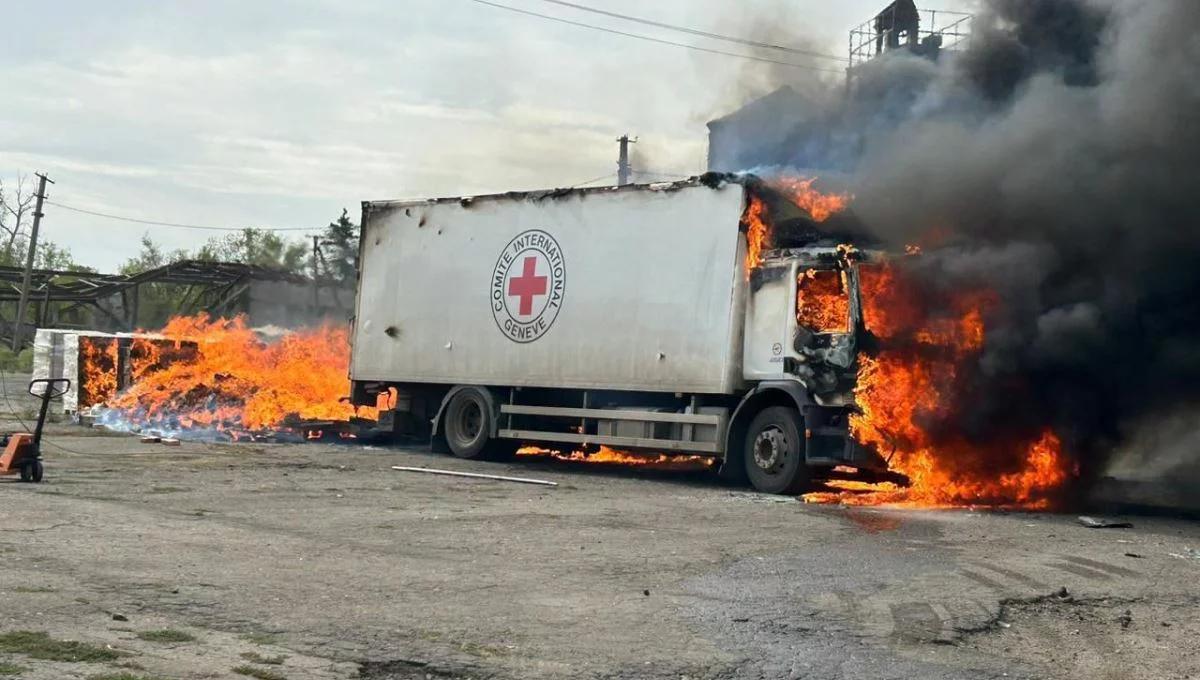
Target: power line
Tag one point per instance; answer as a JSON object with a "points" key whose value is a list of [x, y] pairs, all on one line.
{"points": [[655, 173], [693, 31], [657, 40], [158, 223], [589, 181]]}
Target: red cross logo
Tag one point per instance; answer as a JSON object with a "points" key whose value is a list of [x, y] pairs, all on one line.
{"points": [[527, 285]]}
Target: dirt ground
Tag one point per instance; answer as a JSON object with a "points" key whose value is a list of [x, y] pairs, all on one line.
{"points": [[319, 561]]}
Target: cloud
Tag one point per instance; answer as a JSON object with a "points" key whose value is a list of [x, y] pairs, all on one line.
{"points": [[283, 113]]}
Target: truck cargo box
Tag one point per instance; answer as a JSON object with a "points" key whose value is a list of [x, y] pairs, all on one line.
{"points": [[626, 288]]}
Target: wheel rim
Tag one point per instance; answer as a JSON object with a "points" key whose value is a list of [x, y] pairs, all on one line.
{"points": [[470, 421], [770, 449]]}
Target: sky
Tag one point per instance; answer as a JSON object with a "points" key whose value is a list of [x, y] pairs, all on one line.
{"points": [[281, 113]]}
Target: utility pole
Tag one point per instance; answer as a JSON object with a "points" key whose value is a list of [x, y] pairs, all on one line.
{"points": [[315, 286], [623, 169], [18, 324]]}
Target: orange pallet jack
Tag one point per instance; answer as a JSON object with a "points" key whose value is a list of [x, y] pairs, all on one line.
{"points": [[23, 450]]}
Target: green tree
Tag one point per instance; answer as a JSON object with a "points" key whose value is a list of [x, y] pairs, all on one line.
{"points": [[151, 256], [52, 256], [256, 247], [157, 302], [339, 247]]}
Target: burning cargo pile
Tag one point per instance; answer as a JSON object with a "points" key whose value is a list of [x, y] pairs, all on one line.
{"points": [[100, 365], [203, 378]]}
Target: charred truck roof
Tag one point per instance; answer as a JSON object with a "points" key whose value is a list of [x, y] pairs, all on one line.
{"points": [[792, 226]]}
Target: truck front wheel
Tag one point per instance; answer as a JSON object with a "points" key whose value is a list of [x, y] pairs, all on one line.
{"points": [[468, 422], [774, 452]]}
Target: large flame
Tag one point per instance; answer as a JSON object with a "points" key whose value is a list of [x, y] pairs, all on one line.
{"points": [[219, 374], [800, 192], [757, 233], [97, 369], [822, 304], [910, 392]]}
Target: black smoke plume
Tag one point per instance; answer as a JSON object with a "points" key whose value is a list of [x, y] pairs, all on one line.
{"points": [[1056, 161]]}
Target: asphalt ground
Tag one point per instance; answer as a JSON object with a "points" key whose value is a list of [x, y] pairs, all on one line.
{"points": [[323, 560]]}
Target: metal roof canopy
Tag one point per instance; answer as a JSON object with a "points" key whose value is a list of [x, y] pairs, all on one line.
{"points": [[213, 286], [87, 286]]}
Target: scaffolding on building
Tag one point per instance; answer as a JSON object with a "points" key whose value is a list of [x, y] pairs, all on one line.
{"points": [[937, 31]]}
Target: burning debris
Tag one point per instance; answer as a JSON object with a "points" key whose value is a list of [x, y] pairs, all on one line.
{"points": [[219, 378], [604, 454]]}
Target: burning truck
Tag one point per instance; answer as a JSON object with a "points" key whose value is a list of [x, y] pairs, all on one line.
{"points": [[745, 324], [665, 317]]}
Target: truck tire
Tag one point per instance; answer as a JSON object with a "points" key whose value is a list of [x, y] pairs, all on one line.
{"points": [[468, 422], [774, 452]]}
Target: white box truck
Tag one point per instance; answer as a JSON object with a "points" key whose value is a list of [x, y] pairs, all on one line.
{"points": [[619, 316]]}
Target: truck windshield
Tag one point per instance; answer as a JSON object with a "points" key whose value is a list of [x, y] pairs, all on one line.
{"points": [[822, 302]]}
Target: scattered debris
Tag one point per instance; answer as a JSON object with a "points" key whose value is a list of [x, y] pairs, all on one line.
{"points": [[119, 617], [170, 442], [1135, 555], [150, 440], [474, 475], [1126, 618], [1188, 554], [1103, 523]]}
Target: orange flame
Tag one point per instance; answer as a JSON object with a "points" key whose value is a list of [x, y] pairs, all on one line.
{"points": [[219, 374], [797, 190], [800, 192], [613, 456], [97, 370], [915, 380], [757, 232], [821, 301]]}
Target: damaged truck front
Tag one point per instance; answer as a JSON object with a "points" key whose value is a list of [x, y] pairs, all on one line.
{"points": [[627, 317], [805, 304]]}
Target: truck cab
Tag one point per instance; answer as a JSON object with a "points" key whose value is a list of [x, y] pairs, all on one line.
{"points": [[804, 328]]}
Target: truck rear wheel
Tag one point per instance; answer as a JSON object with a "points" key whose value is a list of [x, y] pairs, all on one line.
{"points": [[468, 422], [774, 452]]}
